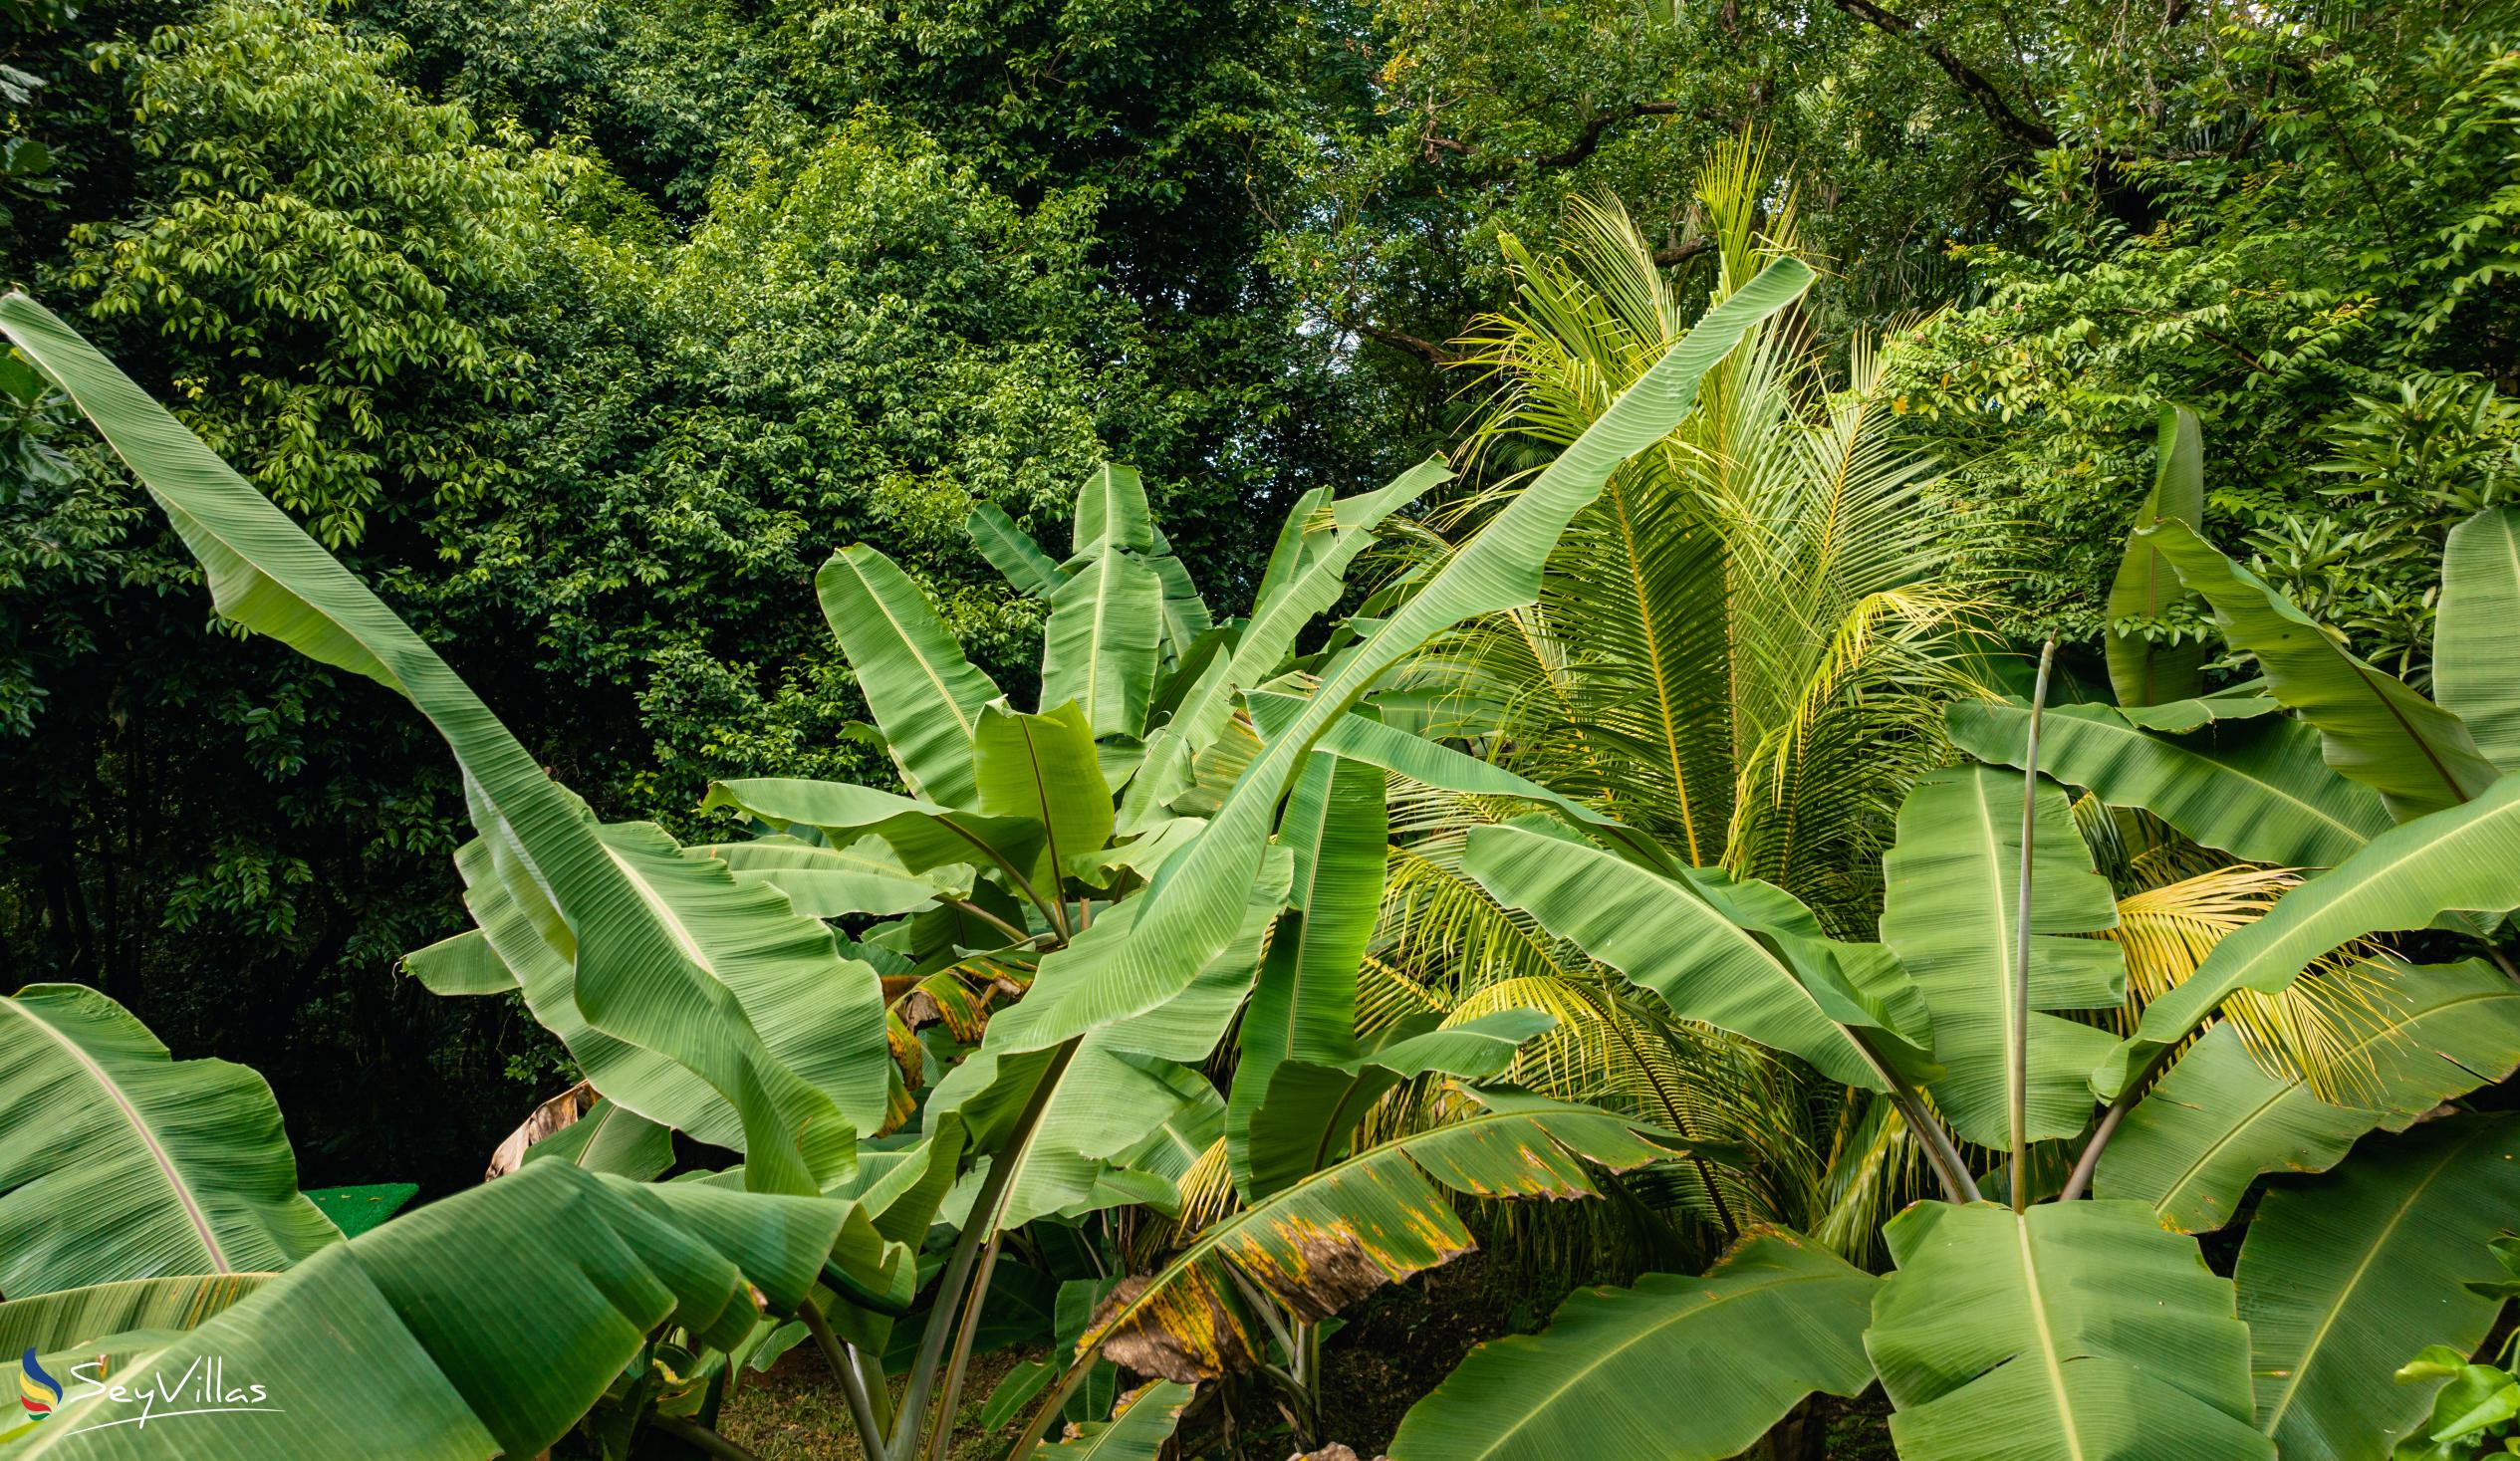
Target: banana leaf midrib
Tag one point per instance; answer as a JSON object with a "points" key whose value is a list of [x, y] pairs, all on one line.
{"points": [[193, 1209]]}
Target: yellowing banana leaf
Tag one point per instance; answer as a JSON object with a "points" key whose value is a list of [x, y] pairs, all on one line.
{"points": [[2374, 729], [2345, 1277], [2258, 791], [2218, 1121], [2143, 671], [119, 1162], [2466, 858], [1677, 1368], [1354, 1226], [926, 696], [1137, 1431], [633, 975], [1784, 990], [2075, 1329], [1950, 913], [2476, 637]]}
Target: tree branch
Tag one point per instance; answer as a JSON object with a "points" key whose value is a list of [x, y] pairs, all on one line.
{"points": [[1587, 140], [1425, 349], [2029, 131]]}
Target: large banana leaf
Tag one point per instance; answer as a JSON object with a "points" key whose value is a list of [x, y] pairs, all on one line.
{"points": [[2257, 790], [2466, 858], [1098, 650], [924, 695], [2373, 727], [2072, 1331], [123, 1317], [2476, 637], [477, 1327], [833, 882], [633, 972], [460, 965], [1347, 1230], [1012, 552], [1312, 1110], [1950, 914], [1111, 512], [1193, 906], [1304, 1007], [119, 1162], [1789, 991], [2343, 1277], [924, 836], [1676, 1367], [1041, 770], [1137, 1431], [2143, 671], [2218, 1121]]}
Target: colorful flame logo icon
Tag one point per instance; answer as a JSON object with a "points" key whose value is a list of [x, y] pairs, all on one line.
{"points": [[37, 1392]]}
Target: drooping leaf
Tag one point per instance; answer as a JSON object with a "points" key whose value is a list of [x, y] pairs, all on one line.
{"points": [[119, 1162], [1011, 551], [2245, 701], [1310, 1111], [1304, 1004], [1192, 909], [627, 968], [924, 836], [2143, 671], [1186, 615], [1100, 648], [1111, 512], [2074, 1330], [2465, 859], [483, 1325], [461, 965], [1788, 991], [1040, 770], [1373, 1219], [609, 1140], [924, 695], [834, 883], [1685, 1369], [2372, 728], [2344, 1276], [2258, 791], [1950, 914], [2476, 637], [2218, 1121]]}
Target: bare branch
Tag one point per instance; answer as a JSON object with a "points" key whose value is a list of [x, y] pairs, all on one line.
{"points": [[2030, 132]]}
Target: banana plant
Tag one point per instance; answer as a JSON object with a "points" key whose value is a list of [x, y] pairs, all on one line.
{"points": [[931, 1018], [2079, 1319]]}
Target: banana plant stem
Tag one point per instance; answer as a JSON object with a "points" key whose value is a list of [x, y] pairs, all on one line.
{"points": [[851, 1383], [2017, 1078], [701, 1438], [942, 1438]]}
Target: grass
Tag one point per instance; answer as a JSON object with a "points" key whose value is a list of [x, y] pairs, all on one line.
{"points": [[796, 1411]]}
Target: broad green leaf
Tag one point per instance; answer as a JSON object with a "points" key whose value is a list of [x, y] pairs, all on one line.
{"points": [[1100, 648], [1950, 912], [2257, 790], [1011, 551], [834, 883], [1193, 908], [1286, 554], [924, 836], [2374, 729], [483, 1325], [2177, 717], [1312, 1108], [1111, 512], [608, 1138], [2420, 1036], [924, 695], [2075, 1329], [119, 1162], [1354, 1226], [2476, 637], [628, 967], [1186, 615], [1304, 1005], [2466, 858], [1137, 1431], [2141, 671], [2344, 1276], [1040, 770], [118, 1319], [1787, 990], [461, 965], [1683, 1368]]}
